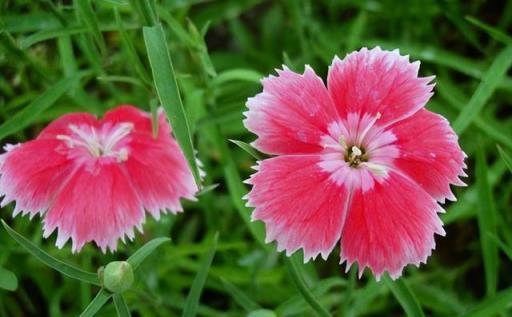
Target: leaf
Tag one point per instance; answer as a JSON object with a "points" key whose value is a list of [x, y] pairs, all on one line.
{"points": [[238, 74], [247, 148], [194, 295], [492, 78], [142, 253], [62, 267], [506, 158], [167, 89], [495, 33], [240, 297], [293, 268], [8, 280], [487, 223], [262, 313], [87, 15], [404, 296], [95, 305], [121, 307], [31, 112], [492, 306]]}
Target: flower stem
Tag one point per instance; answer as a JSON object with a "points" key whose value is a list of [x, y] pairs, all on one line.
{"points": [[304, 290]]}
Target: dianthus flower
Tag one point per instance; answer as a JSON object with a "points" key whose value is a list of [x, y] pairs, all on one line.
{"points": [[92, 179], [360, 161]]}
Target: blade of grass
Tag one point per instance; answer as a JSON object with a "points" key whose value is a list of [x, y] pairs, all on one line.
{"points": [[487, 223], [62, 267], [168, 92], [492, 306], [192, 302], [238, 74], [143, 252], [293, 268], [95, 305], [26, 116], [494, 75], [121, 307], [8, 280], [86, 14], [240, 297], [495, 33], [404, 296], [247, 148], [506, 158]]}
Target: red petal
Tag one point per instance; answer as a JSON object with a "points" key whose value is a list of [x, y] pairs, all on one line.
{"points": [[389, 226], [376, 81], [97, 204], [429, 153], [291, 114], [300, 205]]}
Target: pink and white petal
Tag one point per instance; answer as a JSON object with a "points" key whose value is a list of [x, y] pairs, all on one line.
{"points": [[160, 173], [97, 204], [299, 204], [31, 173], [292, 113], [429, 153], [61, 125], [390, 226], [376, 81]]}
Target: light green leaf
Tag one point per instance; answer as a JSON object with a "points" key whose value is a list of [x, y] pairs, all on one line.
{"points": [[247, 148], [405, 296], [487, 223], [492, 78], [240, 297], [62, 267], [31, 112], [141, 254], [8, 280], [121, 307], [506, 158], [167, 89], [492, 306], [192, 302], [95, 305]]}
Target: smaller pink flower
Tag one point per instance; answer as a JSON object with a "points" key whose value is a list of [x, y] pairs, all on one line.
{"points": [[360, 162], [92, 179]]}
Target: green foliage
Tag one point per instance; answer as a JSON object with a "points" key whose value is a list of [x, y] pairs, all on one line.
{"points": [[200, 61]]}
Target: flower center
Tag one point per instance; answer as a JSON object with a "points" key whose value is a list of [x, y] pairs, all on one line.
{"points": [[355, 155], [106, 141]]}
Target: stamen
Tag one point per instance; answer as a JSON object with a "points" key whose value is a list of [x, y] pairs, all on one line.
{"points": [[377, 169], [369, 126]]}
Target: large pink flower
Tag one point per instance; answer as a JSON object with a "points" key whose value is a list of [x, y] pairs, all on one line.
{"points": [[360, 161], [92, 179]]}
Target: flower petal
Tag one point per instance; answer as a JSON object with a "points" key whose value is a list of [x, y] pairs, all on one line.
{"points": [[141, 120], [300, 205], [389, 226], [61, 125], [291, 114], [375, 81], [31, 173], [97, 204], [429, 153]]}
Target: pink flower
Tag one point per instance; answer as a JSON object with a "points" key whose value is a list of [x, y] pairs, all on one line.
{"points": [[360, 161], [92, 179]]}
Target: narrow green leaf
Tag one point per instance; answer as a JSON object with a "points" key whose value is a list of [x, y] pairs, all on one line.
{"points": [[121, 79], [356, 30], [44, 35], [121, 307], [167, 89], [196, 289], [26, 116], [262, 313], [62, 267], [293, 268], [146, 10], [95, 305], [487, 223], [494, 75], [238, 74], [493, 305], [247, 148], [87, 15], [506, 158], [495, 33], [142, 253], [8, 280], [404, 296], [153, 106], [240, 297]]}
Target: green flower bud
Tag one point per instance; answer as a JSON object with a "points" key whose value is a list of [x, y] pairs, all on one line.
{"points": [[117, 276]]}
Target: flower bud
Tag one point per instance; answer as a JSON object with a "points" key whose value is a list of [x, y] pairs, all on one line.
{"points": [[117, 276]]}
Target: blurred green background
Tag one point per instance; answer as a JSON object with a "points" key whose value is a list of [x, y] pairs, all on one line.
{"points": [[63, 56]]}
